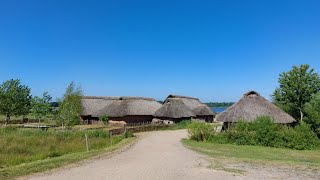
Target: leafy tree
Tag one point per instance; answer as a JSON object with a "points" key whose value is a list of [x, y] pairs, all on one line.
{"points": [[70, 106], [40, 106], [296, 89], [313, 111], [14, 99]]}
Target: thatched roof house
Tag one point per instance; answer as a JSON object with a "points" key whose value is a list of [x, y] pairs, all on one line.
{"points": [[251, 106], [174, 109], [188, 101], [93, 104], [177, 108], [204, 112], [129, 109]]}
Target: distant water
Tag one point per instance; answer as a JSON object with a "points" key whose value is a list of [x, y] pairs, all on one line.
{"points": [[218, 109]]}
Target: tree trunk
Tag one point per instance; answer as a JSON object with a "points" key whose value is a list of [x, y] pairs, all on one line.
{"points": [[301, 115], [7, 120]]}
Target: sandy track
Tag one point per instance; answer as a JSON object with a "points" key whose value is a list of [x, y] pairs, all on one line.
{"points": [[158, 155]]}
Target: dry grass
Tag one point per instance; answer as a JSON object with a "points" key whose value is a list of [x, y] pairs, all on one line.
{"points": [[20, 146]]}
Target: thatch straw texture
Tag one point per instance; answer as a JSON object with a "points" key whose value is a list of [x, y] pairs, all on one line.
{"points": [[174, 108], [203, 110], [188, 101], [251, 106], [93, 104], [131, 106]]}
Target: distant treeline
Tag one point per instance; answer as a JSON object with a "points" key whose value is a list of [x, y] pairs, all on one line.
{"points": [[219, 104]]}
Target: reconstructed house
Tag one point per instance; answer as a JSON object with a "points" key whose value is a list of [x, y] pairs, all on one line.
{"points": [[128, 109], [251, 106], [131, 109], [139, 109], [174, 110], [92, 105], [204, 112], [178, 108]]}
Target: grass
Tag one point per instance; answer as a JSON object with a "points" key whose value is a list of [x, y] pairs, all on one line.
{"points": [[25, 151], [184, 125], [256, 154], [180, 125]]}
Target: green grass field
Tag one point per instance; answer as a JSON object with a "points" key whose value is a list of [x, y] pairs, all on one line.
{"points": [[256, 154], [21, 148]]}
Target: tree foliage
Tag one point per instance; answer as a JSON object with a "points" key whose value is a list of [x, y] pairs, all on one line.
{"points": [[14, 99], [70, 106], [40, 106], [219, 104], [313, 112], [296, 89]]}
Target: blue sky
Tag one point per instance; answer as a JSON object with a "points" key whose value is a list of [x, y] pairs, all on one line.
{"points": [[214, 50]]}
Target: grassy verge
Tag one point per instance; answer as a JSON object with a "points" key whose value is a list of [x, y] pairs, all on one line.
{"points": [[25, 151], [257, 154], [51, 163]]}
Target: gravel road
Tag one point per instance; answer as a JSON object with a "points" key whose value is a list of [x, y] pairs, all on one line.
{"points": [[158, 155]]}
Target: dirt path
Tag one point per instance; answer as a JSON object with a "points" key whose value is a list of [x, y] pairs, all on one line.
{"points": [[158, 155]]}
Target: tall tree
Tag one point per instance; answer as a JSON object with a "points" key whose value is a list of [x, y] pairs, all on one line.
{"points": [[70, 106], [40, 106], [14, 99], [297, 86]]}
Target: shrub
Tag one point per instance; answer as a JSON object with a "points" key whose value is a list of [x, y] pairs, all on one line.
{"points": [[104, 119], [180, 125], [261, 132], [303, 138], [200, 131]]}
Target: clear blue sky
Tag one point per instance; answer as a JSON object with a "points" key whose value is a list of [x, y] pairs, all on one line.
{"points": [[214, 50]]}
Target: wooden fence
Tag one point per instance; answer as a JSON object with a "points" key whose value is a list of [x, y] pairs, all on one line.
{"points": [[139, 128]]}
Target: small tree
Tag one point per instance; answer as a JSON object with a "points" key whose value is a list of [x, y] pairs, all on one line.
{"points": [[14, 99], [313, 111], [296, 88], [40, 106], [70, 106]]}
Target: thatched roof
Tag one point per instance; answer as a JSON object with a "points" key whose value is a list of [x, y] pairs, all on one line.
{"points": [[203, 110], [126, 106], [251, 106], [92, 104], [174, 108], [188, 101], [197, 108]]}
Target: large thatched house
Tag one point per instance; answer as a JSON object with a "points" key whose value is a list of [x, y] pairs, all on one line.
{"points": [[175, 110], [178, 108], [131, 109], [204, 112], [92, 105], [128, 109], [251, 106]]}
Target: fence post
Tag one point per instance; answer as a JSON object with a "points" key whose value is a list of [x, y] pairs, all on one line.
{"points": [[87, 142], [111, 138]]}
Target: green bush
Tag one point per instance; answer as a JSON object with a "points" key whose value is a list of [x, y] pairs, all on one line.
{"points": [[312, 109], [262, 132], [104, 119], [180, 125], [201, 131]]}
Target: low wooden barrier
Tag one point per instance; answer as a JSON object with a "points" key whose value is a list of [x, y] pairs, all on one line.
{"points": [[138, 128]]}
